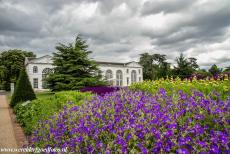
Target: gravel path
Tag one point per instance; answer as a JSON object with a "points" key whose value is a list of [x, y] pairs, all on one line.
{"points": [[7, 135]]}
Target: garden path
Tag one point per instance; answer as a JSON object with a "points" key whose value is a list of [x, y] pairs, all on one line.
{"points": [[7, 134]]}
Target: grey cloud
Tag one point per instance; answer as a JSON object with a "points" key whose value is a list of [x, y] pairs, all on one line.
{"points": [[13, 20], [112, 32], [166, 6], [204, 27]]}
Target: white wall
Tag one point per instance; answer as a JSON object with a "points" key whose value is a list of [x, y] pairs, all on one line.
{"points": [[114, 69], [103, 68], [41, 67]]}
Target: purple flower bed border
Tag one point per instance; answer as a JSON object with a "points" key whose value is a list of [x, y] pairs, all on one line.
{"points": [[100, 90]]}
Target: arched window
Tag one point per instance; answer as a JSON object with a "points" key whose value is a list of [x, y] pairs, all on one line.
{"points": [[133, 76], [45, 73], [119, 78], [35, 69], [109, 76]]}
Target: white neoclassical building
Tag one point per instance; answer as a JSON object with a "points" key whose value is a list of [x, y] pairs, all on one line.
{"points": [[117, 74]]}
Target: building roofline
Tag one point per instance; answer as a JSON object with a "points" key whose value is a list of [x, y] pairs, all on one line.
{"points": [[29, 60], [116, 63]]}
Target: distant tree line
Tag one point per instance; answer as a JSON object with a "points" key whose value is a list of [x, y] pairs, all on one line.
{"points": [[155, 66]]}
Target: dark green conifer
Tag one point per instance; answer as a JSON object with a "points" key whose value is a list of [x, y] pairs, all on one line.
{"points": [[23, 90]]}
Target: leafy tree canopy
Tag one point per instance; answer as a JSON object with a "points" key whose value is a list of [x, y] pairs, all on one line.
{"points": [[11, 63], [214, 70], [73, 68], [154, 66], [185, 67]]}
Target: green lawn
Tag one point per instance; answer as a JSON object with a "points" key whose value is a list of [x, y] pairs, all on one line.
{"points": [[46, 94]]}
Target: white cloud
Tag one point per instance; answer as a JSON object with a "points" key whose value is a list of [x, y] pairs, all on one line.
{"points": [[121, 29]]}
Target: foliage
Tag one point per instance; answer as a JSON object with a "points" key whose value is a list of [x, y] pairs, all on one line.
{"points": [[2, 77], [137, 122], [73, 67], [154, 66], [202, 74], [214, 70], [227, 69], [23, 90], [11, 63], [102, 90], [45, 106], [185, 67], [172, 86]]}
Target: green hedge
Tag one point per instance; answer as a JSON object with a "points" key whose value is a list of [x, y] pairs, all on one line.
{"points": [[28, 115]]}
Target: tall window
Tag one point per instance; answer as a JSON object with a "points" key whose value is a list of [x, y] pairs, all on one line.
{"points": [[35, 82], [133, 76], [109, 77], [127, 81], [127, 71], [140, 79], [139, 71], [119, 77], [45, 73], [35, 69]]}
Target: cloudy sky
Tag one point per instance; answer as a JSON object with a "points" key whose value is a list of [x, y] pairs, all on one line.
{"points": [[120, 30]]}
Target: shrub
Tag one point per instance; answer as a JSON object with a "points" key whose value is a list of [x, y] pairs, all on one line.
{"points": [[23, 90], [137, 122], [42, 108]]}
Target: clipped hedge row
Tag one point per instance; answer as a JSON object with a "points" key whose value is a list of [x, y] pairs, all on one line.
{"points": [[28, 114]]}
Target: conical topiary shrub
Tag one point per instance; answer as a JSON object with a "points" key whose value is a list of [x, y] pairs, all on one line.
{"points": [[23, 90]]}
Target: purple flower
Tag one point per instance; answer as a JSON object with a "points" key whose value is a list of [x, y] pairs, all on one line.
{"points": [[201, 143], [182, 151], [214, 148], [133, 120], [129, 136]]}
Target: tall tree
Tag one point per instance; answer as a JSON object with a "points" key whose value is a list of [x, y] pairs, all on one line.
{"points": [[148, 69], [214, 70], [73, 68], [185, 67], [154, 66], [11, 63], [164, 70]]}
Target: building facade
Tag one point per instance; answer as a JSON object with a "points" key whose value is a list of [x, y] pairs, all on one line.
{"points": [[117, 74]]}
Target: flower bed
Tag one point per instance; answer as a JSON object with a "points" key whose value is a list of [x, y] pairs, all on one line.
{"points": [[100, 90], [137, 122], [172, 86]]}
